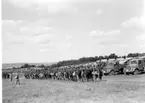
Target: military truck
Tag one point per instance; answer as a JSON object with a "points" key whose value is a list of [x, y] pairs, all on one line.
{"points": [[135, 66], [115, 67]]}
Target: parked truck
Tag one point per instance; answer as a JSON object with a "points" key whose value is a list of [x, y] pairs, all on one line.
{"points": [[135, 66], [115, 67]]}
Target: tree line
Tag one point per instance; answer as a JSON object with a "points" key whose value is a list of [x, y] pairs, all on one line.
{"points": [[82, 60]]}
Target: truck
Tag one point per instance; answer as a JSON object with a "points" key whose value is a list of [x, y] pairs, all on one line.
{"points": [[114, 67], [135, 66]]}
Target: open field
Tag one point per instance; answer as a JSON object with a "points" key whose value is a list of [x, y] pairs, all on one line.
{"points": [[113, 89]]}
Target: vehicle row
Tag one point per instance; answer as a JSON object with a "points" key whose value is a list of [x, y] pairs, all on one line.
{"points": [[127, 66]]}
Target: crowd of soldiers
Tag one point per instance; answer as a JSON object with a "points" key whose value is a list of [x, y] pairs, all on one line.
{"points": [[83, 72], [5, 75]]}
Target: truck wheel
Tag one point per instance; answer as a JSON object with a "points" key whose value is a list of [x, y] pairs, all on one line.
{"points": [[112, 72], [125, 73], [136, 72]]}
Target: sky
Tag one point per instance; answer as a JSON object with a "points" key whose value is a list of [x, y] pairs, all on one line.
{"points": [[55, 30]]}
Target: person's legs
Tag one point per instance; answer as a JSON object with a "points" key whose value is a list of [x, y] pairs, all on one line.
{"points": [[101, 77], [16, 81], [98, 77], [19, 82], [11, 79], [78, 78], [94, 78]]}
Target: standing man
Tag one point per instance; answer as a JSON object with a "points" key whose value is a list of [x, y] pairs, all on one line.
{"points": [[82, 75], [94, 72], [11, 74], [100, 74], [17, 79]]}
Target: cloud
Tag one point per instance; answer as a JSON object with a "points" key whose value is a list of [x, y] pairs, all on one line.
{"points": [[68, 37], [102, 1], [10, 25], [23, 32], [96, 33], [17, 42], [11, 22], [45, 42], [99, 33], [37, 33], [134, 22], [131, 33], [99, 11], [51, 6], [69, 45], [141, 37], [142, 46], [136, 27], [41, 39], [45, 50], [140, 40], [105, 38]]}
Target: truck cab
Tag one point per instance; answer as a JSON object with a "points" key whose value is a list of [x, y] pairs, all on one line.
{"points": [[108, 69], [135, 66]]}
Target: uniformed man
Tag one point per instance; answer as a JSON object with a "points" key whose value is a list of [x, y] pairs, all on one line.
{"points": [[77, 75], [11, 76], [82, 75], [94, 73], [52, 75], [17, 79], [64, 75], [100, 73], [74, 75]]}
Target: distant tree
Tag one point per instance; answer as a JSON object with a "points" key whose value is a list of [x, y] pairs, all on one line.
{"points": [[42, 66], [133, 55], [124, 57], [96, 58], [142, 54], [27, 66], [101, 57], [106, 57], [32, 66], [14, 68], [113, 55]]}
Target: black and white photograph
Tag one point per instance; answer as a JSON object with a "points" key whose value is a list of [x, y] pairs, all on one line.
{"points": [[73, 51]]}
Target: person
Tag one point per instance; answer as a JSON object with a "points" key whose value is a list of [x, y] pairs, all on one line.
{"points": [[74, 75], [100, 73], [17, 79], [94, 73], [11, 76], [82, 75]]}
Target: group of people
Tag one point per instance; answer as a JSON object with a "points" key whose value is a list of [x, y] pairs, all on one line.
{"points": [[10, 75], [83, 72], [5, 75]]}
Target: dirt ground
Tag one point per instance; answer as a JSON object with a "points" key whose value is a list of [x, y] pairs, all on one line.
{"points": [[113, 89]]}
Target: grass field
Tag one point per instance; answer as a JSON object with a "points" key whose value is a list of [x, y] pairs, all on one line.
{"points": [[113, 89]]}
